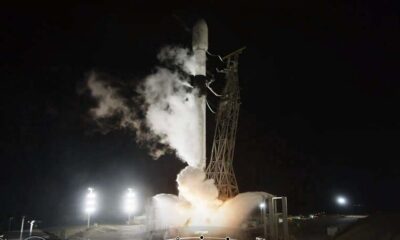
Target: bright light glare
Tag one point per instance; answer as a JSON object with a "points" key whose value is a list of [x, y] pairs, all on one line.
{"points": [[262, 205], [130, 202], [341, 200], [90, 201]]}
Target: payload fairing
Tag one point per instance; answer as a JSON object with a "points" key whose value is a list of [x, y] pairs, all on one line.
{"points": [[200, 45]]}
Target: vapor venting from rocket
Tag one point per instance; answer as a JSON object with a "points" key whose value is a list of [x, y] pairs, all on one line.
{"points": [[167, 101], [170, 114]]}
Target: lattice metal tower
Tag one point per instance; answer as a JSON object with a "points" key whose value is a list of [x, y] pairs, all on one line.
{"points": [[220, 167]]}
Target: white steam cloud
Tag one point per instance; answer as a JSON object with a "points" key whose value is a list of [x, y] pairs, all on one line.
{"points": [[180, 57], [198, 204], [170, 119], [169, 103], [173, 113], [110, 103]]}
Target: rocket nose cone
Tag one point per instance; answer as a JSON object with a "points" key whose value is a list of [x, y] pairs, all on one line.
{"points": [[200, 35], [201, 23]]}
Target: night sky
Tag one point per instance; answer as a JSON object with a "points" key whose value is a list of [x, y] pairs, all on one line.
{"points": [[319, 115]]}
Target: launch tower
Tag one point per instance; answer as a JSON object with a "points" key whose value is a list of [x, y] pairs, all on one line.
{"points": [[220, 167]]}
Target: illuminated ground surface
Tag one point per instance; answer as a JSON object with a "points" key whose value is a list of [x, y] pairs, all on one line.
{"points": [[115, 232], [309, 229], [316, 229], [125, 232], [350, 227], [101, 232], [376, 227]]}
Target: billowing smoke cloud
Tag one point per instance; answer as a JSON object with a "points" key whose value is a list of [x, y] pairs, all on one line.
{"points": [[198, 205], [169, 105], [169, 110], [110, 103], [180, 57], [195, 188], [172, 113]]}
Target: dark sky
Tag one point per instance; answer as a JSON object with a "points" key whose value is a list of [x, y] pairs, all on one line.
{"points": [[319, 115]]}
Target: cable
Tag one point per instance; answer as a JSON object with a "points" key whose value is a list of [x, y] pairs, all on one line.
{"points": [[211, 90], [215, 55], [209, 107]]}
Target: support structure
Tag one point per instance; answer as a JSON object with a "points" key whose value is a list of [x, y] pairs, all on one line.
{"points": [[22, 228], [277, 217], [220, 167]]}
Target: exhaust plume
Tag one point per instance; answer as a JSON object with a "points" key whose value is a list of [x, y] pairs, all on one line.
{"points": [[166, 117]]}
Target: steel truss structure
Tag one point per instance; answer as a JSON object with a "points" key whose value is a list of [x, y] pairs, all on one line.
{"points": [[220, 167]]}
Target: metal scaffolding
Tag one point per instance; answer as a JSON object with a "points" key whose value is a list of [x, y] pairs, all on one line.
{"points": [[220, 167]]}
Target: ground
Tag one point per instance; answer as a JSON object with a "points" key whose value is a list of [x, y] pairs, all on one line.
{"points": [[375, 227], [316, 228]]}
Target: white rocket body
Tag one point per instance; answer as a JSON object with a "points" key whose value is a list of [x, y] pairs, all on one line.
{"points": [[200, 47]]}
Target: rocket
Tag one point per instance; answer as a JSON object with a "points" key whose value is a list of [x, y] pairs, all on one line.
{"points": [[200, 47]]}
